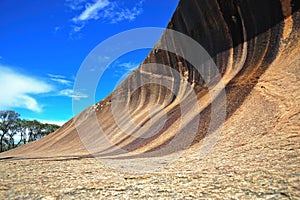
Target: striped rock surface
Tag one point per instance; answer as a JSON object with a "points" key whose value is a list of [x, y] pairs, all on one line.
{"points": [[160, 111]]}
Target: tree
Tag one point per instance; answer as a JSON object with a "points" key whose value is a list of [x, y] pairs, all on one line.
{"points": [[20, 131], [7, 122], [34, 128], [15, 131], [49, 128], [37, 130]]}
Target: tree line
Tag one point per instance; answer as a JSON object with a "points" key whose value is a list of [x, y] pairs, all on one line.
{"points": [[15, 131]]}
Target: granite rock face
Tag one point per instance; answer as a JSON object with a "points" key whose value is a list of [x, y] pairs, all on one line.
{"points": [[242, 144], [241, 40]]}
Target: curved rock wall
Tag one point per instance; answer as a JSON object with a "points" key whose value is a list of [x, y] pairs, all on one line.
{"points": [[243, 37]]}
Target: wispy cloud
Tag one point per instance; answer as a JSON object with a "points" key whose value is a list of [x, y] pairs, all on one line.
{"points": [[123, 69], [17, 90], [60, 79], [77, 28], [91, 11], [76, 4], [115, 13], [72, 94], [106, 10], [67, 92], [56, 76], [129, 66], [56, 29]]}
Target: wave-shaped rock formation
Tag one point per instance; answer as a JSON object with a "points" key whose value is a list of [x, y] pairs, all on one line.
{"points": [[244, 38]]}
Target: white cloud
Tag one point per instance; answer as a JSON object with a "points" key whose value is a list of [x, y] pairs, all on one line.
{"points": [[56, 76], [60, 79], [17, 89], [105, 10], [123, 69], [129, 66], [91, 11], [70, 93], [117, 14], [78, 28], [75, 4]]}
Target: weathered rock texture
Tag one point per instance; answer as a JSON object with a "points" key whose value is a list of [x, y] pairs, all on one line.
{"points": [[255, 45], [243, 37]]}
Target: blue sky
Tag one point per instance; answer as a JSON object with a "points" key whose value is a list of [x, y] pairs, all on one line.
{"points": [[44, 42]]}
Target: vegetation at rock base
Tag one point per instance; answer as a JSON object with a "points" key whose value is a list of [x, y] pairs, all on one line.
{"points": [[15, 131]]}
